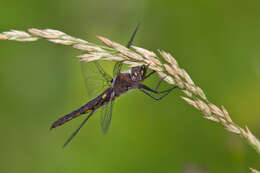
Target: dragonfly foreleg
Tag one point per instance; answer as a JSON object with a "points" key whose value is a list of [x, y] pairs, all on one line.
{"points": [[149, 74], [158, 84], [155, 97], [145, 90]]}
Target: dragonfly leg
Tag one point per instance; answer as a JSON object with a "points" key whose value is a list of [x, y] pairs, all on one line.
{"points": [[149, 94], [158, 84], [151, 73], [145, 90], [77, 130], [155, 97]]}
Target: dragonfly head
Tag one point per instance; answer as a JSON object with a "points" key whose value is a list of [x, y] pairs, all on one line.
{"points": [[138, 73]]}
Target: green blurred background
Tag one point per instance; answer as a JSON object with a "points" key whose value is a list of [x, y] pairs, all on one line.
{"points": [[216, 41]]}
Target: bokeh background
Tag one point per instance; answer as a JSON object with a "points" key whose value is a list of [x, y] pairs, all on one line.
{"points": [[216, 41]]}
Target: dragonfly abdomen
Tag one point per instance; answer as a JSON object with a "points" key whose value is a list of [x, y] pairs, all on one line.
{"points": [[84, 109], [90, 106]]}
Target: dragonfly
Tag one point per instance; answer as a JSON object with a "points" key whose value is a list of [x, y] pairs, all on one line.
{"points": [[96, 78]]}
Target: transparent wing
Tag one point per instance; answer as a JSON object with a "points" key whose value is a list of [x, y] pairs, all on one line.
{"points": [[77, 130], [117, 68], [96, 79], [106, 115]]}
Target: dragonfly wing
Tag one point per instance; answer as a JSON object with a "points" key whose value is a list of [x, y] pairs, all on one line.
{"points": [[96, 79], [105, 75], [117, 68], [77, 130], [106, 114]]}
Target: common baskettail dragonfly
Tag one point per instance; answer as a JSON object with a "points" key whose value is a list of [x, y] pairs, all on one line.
{"points": [[120, 84]]}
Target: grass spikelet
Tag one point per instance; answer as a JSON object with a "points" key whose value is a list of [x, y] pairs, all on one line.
{"points": [[169, 70], [254, 170]]}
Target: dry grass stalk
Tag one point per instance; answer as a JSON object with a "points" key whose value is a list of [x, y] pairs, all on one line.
{"points": [[167, 68], [254, 170]]}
